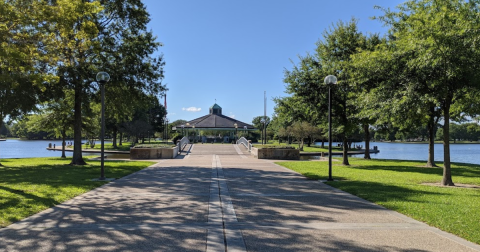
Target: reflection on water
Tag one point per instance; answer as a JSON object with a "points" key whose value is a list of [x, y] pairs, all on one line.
{"points": [[461, 153]]}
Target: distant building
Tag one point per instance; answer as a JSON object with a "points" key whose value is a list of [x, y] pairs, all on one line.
{"points": [[214, 127]]}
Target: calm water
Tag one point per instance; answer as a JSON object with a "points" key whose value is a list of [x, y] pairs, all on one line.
{"points": [[463, 153], [30, 148]]}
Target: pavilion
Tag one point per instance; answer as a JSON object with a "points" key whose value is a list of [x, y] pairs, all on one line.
{"points": [[215, 127]]}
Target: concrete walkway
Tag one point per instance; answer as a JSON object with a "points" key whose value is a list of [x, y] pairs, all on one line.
{"points": [[218, 198]]}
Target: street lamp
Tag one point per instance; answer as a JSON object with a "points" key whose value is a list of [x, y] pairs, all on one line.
{"points": [[166, 131], [188, 125], [102, 78], [183, 131], [236, 126], [245, 129], [263, 122], [194, 133], [330, 81]]}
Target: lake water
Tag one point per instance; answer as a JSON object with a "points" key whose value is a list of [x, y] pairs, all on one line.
{"points": [[31, 148], [463, 153]]}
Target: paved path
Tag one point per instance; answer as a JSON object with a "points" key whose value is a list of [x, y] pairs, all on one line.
{"points": [[218, 198]]}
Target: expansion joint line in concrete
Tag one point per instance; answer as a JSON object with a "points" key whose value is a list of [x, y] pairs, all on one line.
{"points": [[221, 211], [239, 152]]}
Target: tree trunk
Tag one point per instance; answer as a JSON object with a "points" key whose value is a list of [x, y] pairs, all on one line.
{"points": [[64, 136], [300, 145], [431, 138], [323, 143], [367, 141], [77, 158], [447, 173], [345, 151], [114, 138], [121, 138]]}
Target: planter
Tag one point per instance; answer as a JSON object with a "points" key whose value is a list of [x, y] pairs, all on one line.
{"points": [[276, 153], [153, 153]]}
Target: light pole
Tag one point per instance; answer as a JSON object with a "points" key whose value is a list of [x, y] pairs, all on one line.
{"points": [[245, 131], [183, 130], [166, 133], [188, 125], [102, 78], [263, 122], [236, 126], [194, 133], [330, 81]]}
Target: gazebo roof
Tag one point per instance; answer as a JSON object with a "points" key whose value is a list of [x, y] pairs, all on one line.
{"points": [[215, 106], [215, 120]]}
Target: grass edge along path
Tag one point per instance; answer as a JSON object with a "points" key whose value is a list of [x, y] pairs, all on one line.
{"points": [[399, 185], [31, 185]]}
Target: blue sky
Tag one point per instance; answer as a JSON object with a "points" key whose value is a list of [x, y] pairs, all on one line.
{"points": [[232, 51]]}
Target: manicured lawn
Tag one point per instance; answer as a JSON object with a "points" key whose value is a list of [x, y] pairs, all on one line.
{"points": [[397, 185], [126, 145], [295, 145], [109, 146], [30, 185]]}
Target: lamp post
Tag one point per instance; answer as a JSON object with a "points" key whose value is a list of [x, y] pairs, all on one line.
{"points": [[245, 131], [330, 81], [102, 78], [263, 122], [166, 132], [188, 125], [183, 130], [194, 133], [236, 126]]}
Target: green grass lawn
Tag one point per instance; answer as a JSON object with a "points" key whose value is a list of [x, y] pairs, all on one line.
{"points": [[30, 185], [109, 146], [312, 148], [126, 145], [397, 185]]}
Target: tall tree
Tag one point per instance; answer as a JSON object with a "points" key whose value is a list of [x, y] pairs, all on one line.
{"points": [[23, 72], [444, 36], [111, 37], [334, 53]]}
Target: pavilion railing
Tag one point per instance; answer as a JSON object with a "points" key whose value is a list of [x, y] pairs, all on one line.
{"points": [[245, 143], [182, 143]]}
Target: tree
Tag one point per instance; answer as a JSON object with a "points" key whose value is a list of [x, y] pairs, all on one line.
{"points": [[56, 116], [299, 132], [443, 35], [334, 54], [23, 73], [146, 119], [111, 37], [258, 124]]}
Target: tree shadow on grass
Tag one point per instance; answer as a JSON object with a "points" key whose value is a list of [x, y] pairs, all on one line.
{"points": [[458, 169], [380, 192]]}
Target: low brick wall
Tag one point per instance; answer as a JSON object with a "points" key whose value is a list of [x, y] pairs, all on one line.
{"points": [[153, 153], [276, 153]]}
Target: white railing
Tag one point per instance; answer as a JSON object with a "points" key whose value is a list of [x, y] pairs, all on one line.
{"points": [[245, 143], [182, 143]]}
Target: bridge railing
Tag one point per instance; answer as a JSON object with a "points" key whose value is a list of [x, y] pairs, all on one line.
{"points": [[182, 143], [245, 143]]}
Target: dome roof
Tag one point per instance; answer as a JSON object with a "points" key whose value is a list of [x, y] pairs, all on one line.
{"points": [[216, 106]]}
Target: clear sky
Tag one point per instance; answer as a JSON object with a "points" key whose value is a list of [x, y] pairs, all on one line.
{"points": [[232, 51]]}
